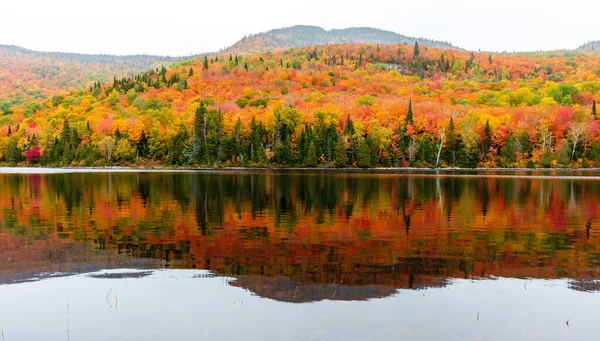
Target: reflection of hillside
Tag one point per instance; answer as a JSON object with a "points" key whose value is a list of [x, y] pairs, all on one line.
{"points": [[286, 290], [314, 229], [24, 260], [585, 284]]}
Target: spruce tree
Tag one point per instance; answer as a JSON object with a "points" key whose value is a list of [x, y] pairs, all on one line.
{"points": [[594, 113], [205, 63], [341, 156], [255, 144], [487, 138], [311, 158], [363, 156], [199, 134], [451, 143], [416, 50], [142, 145], [409, 115]]}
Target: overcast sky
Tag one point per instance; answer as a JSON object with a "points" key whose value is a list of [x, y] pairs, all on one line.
{"points": [[183, 27]]}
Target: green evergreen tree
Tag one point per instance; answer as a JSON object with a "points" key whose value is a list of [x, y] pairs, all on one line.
{"points": [[14, 154], [451, 144], [178, 147], [205, 63], [341, 156], [214, 134], [416, 50], [363, 156], [594, 112], [508, 151], [197, 147], [255, 137], [311, 158], [142, 145], [409, 115], [487, 139]]}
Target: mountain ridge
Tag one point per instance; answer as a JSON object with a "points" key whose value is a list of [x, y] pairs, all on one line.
{"points": [[283, 38], [307, 35]]}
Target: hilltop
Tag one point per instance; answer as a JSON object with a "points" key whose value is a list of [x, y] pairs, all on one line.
{"points": [[303, 36], [591, 46], [139, 60]]}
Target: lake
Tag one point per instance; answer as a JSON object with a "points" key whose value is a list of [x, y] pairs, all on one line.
{"points": [[290, 255]]}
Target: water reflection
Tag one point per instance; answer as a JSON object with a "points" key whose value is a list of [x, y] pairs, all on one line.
{"points": [[191, 304], [303, 237]]}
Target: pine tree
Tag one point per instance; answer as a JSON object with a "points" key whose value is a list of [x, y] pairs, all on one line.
{"points": [[311, 158], [341, 156], [363, 156], [142, 145], [508, 151], [66, 142], [416, 50], [13, 153], [409, 115], [594, 113], [487, 138], [191, 72], [178, 147], [451, 143], [254, 140], [205, 63], [199, 134]]}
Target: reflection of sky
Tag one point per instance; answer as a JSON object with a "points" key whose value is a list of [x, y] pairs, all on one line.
{"points": [[185, 305]]}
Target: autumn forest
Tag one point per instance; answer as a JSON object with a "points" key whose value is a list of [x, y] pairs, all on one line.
{"points": [[329, 106]]}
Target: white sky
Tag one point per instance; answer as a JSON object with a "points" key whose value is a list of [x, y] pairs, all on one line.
{"points": [[183, 27]]}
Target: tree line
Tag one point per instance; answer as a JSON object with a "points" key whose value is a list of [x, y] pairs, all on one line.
{"points": [[291, 143]]}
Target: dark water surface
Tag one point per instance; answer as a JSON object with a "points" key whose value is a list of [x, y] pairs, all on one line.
{"points": [[300, 256]]}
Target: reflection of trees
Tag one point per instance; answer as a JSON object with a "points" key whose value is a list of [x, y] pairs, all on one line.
{"points": [[313, 229]]}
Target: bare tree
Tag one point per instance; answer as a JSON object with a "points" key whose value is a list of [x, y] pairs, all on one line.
{"points": [[577, 130], [442, 133]]}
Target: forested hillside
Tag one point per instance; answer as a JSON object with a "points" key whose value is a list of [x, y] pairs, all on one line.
{"points": [[590, 47], [325, 106], [304, 36], [27, 76]]}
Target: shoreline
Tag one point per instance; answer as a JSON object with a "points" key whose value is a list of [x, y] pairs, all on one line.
{"points": [[592, 173]]}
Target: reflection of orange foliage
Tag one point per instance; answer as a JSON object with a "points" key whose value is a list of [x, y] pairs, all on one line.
{"points": [[313, 229]]}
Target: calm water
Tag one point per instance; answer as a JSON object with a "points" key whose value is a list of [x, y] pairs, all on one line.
{"points": [[299, 256]]}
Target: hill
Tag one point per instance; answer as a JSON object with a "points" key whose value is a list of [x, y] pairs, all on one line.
{"points": [[333, 105], [591, 46], [303, 36], [27, 75], [140, 60]]}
